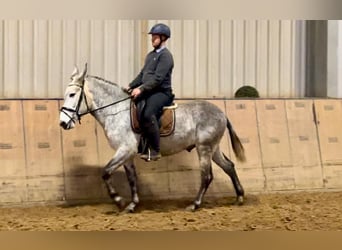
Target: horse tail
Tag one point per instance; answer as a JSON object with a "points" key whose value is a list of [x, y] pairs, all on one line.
{"points": [[236, 143]]}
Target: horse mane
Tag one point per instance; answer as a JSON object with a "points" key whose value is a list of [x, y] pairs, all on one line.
{"points": [[107, 81]]}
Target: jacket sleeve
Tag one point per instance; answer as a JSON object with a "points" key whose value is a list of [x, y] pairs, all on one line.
{"points": [[137, 81], [164, 66]]}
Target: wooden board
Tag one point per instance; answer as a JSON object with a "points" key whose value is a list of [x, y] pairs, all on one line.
{"points": [[80, 152], [183, 174], [81, 160], [45, 188], [154, 185], [12, 149], [13, 190], [304, 144], [242, 115], [86, 188], [275, 145], [43, 138], [329, 124]]}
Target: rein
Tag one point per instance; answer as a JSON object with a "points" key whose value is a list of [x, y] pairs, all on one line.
{"points": [[63, 109], [108, 105]]}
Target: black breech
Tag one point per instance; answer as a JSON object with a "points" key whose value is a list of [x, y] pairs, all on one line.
{"points": [[151, 114], [154, 106]]}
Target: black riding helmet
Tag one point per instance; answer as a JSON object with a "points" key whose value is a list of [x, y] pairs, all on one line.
{"points": [[161, 29]]}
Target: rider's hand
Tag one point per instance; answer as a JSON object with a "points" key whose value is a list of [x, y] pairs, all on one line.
{"points": [[128, 89], [136, 92]]}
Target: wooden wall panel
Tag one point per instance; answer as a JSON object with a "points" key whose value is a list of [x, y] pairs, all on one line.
{"points": [[81, 159], [12, 153], [242, 115], [13, 191], [45, 189], [329, 124], [290, 145], [80, 148], [154, 185], [304, 144], [44, 160], [43, 138], [275, 146], [12, 149], [83, 188]]}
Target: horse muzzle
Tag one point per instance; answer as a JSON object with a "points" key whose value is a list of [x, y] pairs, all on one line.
{"points": [[67, 125], [66, 119]]}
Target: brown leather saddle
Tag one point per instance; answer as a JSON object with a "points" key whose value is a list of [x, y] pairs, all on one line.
{"points": [[166, 123]]}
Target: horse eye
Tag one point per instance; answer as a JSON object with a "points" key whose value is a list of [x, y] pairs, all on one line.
{"points": [[71, 95]]}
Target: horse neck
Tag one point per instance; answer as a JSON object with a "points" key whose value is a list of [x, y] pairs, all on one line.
{"points": [[105, 93]]}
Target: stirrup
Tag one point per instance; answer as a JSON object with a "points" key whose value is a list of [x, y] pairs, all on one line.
{"points": [[149, 157]]}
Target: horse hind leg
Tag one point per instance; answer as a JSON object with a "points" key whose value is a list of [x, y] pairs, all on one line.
{"points": [[228, 167], [204, 154]]}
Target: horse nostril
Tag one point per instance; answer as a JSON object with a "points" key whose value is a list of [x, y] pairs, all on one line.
{"points": [[63, 125]]}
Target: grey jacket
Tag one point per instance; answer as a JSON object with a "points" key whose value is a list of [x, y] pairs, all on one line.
{"points": [[156, 73]]}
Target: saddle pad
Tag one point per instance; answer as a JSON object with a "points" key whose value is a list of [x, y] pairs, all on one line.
{"points": [[167, 120]]}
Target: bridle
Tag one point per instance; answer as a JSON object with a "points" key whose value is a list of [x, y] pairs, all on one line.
{"points": [[84, 96]]}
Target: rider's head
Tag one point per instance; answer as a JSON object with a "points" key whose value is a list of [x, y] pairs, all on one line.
{"points": [[160, 33]]}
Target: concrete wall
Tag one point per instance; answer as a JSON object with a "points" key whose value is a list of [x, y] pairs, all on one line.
{"points": [[291, 144]]}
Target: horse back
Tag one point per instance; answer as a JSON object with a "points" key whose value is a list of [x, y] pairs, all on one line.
{"points": [[200, 116]]}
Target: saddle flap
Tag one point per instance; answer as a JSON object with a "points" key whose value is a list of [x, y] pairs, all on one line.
{"points": [[167, 120]]}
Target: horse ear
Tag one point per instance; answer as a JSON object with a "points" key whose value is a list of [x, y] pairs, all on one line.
{"points": [[75, 72], [84, 73]]}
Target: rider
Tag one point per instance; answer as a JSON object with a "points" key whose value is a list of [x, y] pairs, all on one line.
{"points": [[153, 84]]}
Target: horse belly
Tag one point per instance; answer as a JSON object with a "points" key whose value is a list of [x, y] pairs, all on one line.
{"points": [[170, 146], [182, 138]]}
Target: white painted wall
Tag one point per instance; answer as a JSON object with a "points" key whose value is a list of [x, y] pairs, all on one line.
{"points": [[213, 58], [334, 61]]}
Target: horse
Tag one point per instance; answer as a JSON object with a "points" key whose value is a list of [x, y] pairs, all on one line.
{"points": [[199, 124]]}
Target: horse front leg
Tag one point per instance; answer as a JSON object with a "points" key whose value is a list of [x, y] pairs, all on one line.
{"points": [[121, 156], [132, 180]]}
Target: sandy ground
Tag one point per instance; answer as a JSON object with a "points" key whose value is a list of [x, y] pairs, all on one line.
{"points": [[318, 211]]}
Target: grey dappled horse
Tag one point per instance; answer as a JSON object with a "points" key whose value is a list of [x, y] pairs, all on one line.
{"points": [[199, 124]]}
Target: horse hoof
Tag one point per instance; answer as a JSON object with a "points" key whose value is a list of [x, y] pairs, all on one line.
{"points": [[120, 202], [192, 208], [239, 200], [130, 208], [127, 211]]}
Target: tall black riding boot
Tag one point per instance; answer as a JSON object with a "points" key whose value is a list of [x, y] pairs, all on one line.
{"points": [[151, 130]]}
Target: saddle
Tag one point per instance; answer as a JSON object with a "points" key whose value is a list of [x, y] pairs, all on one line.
{"points": [[166, 122]]}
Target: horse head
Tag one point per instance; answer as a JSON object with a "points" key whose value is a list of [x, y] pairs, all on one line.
{"points": [[77, 99]]}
